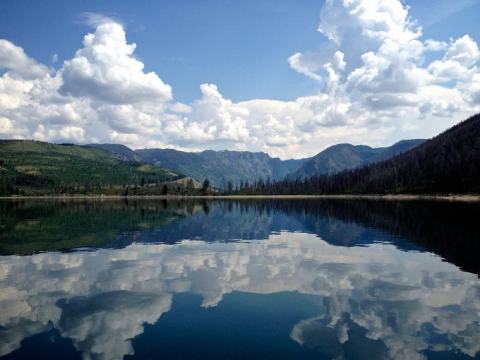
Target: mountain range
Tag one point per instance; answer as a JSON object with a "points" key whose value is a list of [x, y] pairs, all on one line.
{"points": [[221, 167]]}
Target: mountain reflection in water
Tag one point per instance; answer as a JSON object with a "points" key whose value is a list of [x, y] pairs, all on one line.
{"points": [[236, 279]]}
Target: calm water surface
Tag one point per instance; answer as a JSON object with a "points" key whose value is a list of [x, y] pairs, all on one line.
{"points": [[297, 279]]}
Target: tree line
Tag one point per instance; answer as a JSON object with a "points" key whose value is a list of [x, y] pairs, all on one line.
{"points": [[448, 163]]}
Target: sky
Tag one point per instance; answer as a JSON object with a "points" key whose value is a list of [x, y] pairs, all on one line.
{"points": [[287, 77]]}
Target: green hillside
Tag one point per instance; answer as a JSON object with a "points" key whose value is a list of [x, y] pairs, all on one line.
{"points": [[121, 152], [32, 167]]}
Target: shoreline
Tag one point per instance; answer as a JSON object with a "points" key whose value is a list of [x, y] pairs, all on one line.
{"points": [[399, 197]]}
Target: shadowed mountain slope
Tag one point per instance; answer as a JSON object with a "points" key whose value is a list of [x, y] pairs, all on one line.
{"points": [[220, 167]]}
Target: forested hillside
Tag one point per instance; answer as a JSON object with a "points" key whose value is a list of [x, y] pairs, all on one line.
{"points": [[33, 167], [121, 152], [448, 163]]}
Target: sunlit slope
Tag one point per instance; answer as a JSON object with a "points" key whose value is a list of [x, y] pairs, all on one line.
{"points": [[38, 167]]}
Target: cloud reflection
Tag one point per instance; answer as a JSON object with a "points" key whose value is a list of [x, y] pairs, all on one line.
{"points": [[102, 299]]}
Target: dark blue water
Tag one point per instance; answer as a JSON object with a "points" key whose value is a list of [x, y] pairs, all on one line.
{"points": [[276, 279]]}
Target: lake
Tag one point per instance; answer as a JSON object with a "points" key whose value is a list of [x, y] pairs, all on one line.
{"points": [[243, 279]]}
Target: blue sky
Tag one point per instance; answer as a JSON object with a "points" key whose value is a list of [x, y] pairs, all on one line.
{"points": [[241, 46], [243, 49], [230, 43]]}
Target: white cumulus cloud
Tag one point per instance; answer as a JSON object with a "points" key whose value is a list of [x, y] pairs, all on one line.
{"points": [[375, 86], [105, 69], [14, 59]]}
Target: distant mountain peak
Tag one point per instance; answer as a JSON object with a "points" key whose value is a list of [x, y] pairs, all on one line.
{"points": [[348, 156]]}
